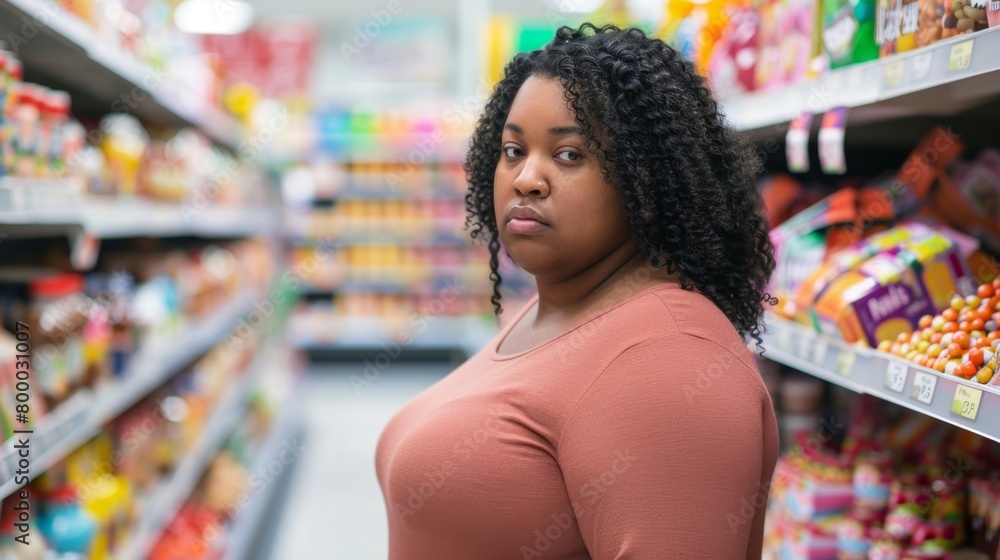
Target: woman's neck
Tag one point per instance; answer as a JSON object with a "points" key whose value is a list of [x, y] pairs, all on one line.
{"points": [[613, 278]]}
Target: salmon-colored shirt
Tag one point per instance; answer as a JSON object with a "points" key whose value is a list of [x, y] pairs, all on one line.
{"points": [[644, 433]]}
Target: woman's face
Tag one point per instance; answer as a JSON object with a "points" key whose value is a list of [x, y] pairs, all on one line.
{"points": [[556, 215]]}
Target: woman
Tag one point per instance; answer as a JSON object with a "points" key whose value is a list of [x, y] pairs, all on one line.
{"points": [[620, 414]]}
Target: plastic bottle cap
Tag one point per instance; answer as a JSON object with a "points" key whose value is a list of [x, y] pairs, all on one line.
{"points": [[16, 69], [57, 286], [63, 494], [59, 102]]}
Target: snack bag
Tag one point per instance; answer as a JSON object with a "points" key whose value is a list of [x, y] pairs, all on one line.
{"points": [[897, 25], [849, 31], [964, 16], [929, 21]]}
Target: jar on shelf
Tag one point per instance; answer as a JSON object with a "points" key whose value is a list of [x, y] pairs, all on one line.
{"points": [[60, 311], [66, 526]]}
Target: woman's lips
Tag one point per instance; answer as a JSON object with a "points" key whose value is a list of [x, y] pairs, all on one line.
{"points": [[525, 219], [525, 225]]}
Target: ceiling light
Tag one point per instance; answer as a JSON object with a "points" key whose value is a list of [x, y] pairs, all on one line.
{"points": [[213, 17], [574, 6]]}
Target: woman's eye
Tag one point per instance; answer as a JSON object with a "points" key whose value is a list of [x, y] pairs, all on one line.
{"points": [[512, 152], [568, 155]]}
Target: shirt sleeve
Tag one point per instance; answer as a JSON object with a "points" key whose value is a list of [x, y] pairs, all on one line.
{"points": [[665, 454]]}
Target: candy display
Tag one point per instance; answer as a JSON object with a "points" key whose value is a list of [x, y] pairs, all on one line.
{"points": [[844, 271], [962, 340], [887, 488], [897, 24]]}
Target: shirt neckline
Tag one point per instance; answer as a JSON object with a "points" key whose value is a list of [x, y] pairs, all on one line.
{"points": [[494, 347]]}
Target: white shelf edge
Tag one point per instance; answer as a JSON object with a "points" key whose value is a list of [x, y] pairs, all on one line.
{"points": [[52, 203], [81, 418], [796, 346], [864, 84], [168, 499]]}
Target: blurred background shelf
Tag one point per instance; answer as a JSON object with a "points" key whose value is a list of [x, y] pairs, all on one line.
{"points": [[166, 501], [79, 419], [66, 53], [29, 207]]}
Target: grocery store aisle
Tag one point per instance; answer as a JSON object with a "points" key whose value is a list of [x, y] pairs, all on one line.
{"points": [[334, 508]]}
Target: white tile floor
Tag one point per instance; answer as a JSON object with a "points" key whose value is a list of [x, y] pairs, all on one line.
{"points": [[334, 509]]}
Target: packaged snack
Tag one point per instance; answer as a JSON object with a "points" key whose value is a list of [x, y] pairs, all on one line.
{"points": [[67, 527], [853, 540], [849, 31], [884, 547], [993, 13], [929, 22], [872, 482], [964, 16], [940, 268], [897, 25], [732, 65], [903, 520]]}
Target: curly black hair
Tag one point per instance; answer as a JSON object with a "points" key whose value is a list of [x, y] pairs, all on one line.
{"points": [[687, 181]]}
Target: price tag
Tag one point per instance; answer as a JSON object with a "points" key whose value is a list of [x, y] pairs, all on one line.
{"points": [[892, 73], [921, 67], [895, 376], [820, 349], [804, 347], [831, 141], [961, 56], [797, 143], [966, 403], [845, 362], [11, 463], [783, 338], [923, 387]]}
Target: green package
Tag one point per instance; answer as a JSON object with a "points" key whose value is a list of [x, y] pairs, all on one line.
{"points": [[849, 31]]}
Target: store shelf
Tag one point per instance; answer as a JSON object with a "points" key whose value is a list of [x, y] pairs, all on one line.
{"points": [[83, 416], [868, 371], [400, 195], [385, 239], [166, 501], [245, 527], [35, 208], [61, 51], [931, 81], [431, 288], [468, 334]]}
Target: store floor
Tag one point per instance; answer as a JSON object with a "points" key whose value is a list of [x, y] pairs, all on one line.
{"points": [[333, 509]]}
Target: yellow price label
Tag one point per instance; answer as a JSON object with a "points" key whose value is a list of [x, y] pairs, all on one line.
{"points": [[966, 403], [961, 56], [893, 73], [845, 362]]}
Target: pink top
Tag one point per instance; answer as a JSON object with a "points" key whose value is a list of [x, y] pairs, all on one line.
{"points": [[644, 433]]}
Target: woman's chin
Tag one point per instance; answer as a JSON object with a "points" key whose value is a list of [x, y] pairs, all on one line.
{"points": [[534, 263]]}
